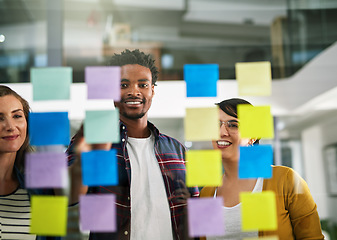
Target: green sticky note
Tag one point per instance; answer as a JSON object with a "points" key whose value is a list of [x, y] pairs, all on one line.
{"points": [[203, 168], [254, 78], [102, 126], [255, 121], [258, 211], [49, 215], [51, 83], [263, 238], [202, 124]]}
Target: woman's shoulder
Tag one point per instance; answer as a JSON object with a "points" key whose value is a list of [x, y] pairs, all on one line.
{"points": [[281, 170], [207, 191], [279, 176]]}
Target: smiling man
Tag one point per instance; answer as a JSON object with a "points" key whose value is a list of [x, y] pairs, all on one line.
{"points": [[151, 194]]}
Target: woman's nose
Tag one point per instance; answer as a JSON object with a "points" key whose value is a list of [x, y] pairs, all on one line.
{"points": [[223, 130], [9, 125]]}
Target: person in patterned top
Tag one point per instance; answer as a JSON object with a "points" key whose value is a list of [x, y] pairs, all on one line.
{"points": [[151, 196]]}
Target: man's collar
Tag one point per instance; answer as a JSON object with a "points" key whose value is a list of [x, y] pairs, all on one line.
{"points": [[153, 129]]}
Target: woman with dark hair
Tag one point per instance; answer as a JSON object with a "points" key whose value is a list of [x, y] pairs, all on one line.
{"points": [[297, 215], [14, 142]]}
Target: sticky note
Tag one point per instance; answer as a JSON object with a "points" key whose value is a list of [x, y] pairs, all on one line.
{"points": [[98, 213], [202, 124], [201, 79], [263, 238], [253, 78], [51, 83], [46, 170], [258, 211], [49, 128], [203, 168], [49, 215], [103, 82], [102, 126], [205, 217], [99, 168], [255, 161], [255, 121]]}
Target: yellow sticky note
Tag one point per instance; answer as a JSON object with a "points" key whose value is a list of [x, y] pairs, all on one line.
{"points": [[258, 211], [203, 168], [202, 124], [263, 238], [255, 121], [49, 215], [254, 78]]}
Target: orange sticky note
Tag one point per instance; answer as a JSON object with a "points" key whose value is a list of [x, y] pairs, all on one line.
{"points": [[203, 168], [258, 211], [255, 121], [254, 78], [49, 215], [202, 124]]}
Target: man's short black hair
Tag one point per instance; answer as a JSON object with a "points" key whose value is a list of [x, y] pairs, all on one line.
{"points": [[135, 57]]}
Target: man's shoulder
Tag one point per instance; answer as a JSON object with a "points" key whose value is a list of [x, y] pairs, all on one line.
{"points": [[169, 139]]}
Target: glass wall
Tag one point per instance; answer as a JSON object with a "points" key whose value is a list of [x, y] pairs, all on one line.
{"points": [[288, 33]]}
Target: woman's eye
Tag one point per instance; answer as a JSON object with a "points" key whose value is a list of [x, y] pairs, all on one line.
{"points": [[233, 125], [17, 116]]}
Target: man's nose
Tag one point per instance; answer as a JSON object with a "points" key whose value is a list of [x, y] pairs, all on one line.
{"points": [[134, 91]]}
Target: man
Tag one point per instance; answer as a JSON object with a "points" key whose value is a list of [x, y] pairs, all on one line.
{"points": [[151, 194]]}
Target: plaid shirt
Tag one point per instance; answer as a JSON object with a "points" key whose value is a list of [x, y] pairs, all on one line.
{"points": [[170, 155]]}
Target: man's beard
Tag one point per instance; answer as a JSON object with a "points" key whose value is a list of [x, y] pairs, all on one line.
{"points": [[133, 116]]}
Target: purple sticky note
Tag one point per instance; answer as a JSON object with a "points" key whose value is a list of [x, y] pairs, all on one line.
{"points": [[205, 217], [103, 82], [46, 170], [98, 212]]}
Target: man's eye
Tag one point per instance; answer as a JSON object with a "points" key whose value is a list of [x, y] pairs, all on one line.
{"points": [[124, 85], [143, 85]]}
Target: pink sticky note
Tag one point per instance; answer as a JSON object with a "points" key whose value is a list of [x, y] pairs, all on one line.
{"points": [[205, 217], [103, 82], [98, 212], [46, 170]]}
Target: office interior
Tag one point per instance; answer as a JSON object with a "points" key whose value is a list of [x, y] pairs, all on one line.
{"points": [[298, 37]]}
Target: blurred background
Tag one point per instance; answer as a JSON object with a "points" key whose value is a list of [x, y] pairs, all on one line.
{"points": [[298, 37]]}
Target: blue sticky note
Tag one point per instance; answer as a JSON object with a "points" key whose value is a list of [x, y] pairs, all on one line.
{"points": [[99, 168], [201, 79], [255, 161], [49, 128], [102, 126]]}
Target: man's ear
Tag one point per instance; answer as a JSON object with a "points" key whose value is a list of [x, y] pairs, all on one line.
{"points": [[152, 86]]}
